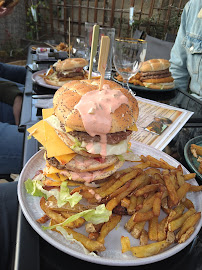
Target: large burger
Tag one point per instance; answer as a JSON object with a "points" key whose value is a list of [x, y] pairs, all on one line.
{"points": [[95, 124], [66, 70], [155, 74]]}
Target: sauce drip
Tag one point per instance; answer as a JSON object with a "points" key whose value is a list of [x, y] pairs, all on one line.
{"points": [[95, 108]]}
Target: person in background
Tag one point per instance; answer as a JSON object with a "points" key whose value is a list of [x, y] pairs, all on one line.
{"points": [[186, 54], [186, 69], [12, 79]]}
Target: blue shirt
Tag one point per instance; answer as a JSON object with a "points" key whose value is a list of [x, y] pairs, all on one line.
{"points": [[186, 54]]}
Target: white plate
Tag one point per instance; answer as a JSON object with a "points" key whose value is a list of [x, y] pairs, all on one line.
{"points": [[112, 256], [36, 78]]}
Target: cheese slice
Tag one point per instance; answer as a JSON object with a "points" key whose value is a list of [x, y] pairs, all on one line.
{"points": [[56, 177], [47, 136], [50, 170], [63, 159], [38, 132], [133, 128], [47, 112], [68, 129], [53, 176], [54, 145], [110, 168]]}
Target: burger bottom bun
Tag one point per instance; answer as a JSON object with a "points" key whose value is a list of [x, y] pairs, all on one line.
{"points": [[93, 175], [54, 80], [86, 164], [160, 80], [160, 86]]}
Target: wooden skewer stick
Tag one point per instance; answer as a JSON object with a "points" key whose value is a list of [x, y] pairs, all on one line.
{"points": [[69, 39], [102, 64], [93, 48]]}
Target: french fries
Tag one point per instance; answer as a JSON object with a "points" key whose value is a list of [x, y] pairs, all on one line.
{"points": [[142, 191], [107, 227], [134, 80], [150, 249], [89, 244]]}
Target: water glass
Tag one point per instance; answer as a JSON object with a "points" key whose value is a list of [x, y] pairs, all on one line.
{"points": [[110, 32]]}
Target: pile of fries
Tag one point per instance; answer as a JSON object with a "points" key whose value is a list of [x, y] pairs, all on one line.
{"points": [[63, 47], [196, 150], [133, 80], [153, 196]]}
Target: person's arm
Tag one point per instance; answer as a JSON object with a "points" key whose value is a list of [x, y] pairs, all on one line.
{"points": [[178, 58]]}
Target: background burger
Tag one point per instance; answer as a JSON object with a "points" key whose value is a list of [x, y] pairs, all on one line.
{"points": [[155, 74], [66, 70], [95, 124]]}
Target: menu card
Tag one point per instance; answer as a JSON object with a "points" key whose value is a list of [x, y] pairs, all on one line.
{"points": [[158, 123]]}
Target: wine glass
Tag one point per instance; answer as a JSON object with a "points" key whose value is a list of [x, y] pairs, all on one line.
{"points": [[128, 56], [80, 49]]}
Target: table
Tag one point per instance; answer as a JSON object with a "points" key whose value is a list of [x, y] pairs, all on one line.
{"points": [[28, 242]]}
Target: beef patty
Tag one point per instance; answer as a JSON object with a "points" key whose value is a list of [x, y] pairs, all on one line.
{"points": [[155, 74], [69, 75], [112, 138]]}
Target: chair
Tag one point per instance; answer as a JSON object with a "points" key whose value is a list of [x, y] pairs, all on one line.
{"points": [[157, 48], [170, 37], [138, 34]]}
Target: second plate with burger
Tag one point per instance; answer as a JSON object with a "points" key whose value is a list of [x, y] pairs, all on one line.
{"points": [[154, 75], [61, 72]]}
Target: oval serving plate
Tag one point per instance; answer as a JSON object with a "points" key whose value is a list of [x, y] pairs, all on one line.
{"points": [[113, 255]]}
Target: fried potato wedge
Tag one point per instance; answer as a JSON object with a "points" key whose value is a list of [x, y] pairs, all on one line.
{"points": [[150, 249], [107, 227]]}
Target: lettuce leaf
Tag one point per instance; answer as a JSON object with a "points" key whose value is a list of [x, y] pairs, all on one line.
{"points": [[98, 215], [32, 188], [77, 145], [70, 237], [64, 196], [35, 188]]}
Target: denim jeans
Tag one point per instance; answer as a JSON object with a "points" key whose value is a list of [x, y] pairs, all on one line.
{"points": [[13, 73], [6, 111], [11, 147], [11, 141]]}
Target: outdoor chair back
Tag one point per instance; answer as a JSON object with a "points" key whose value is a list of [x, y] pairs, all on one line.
{"points": [[157, 48]]}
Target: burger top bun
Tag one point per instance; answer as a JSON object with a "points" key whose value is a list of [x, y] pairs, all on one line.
{"points": [[70, 94], [71, 63], [155, 65]]}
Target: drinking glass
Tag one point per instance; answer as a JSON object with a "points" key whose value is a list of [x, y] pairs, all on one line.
{"points": [[80, 49], [128, 56], [103, 31]]}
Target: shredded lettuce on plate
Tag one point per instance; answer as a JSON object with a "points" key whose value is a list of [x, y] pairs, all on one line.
{"points": [[71, 238], [98, 215], [31, 187], [35, 188]]}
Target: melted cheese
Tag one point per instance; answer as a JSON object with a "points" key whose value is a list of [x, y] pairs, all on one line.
{"points": [[133, 128], [63, 159], [46, 135]]}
